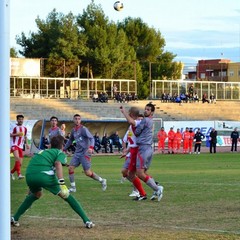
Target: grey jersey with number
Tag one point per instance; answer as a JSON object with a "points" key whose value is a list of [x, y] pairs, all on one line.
{"points": [[144, 131], [83, 139]]}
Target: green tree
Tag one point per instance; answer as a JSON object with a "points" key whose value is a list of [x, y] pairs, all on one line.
{"points": [[147, 42], [13, 53], [58, 41], [108, 53], [103, 48], [149, 47]]}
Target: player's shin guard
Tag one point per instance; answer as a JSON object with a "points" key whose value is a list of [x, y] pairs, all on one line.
{"points": [[25, 206], [76, 206], [96, 177], [151, 183], [71, 176], [138, 185], [18, 167]]}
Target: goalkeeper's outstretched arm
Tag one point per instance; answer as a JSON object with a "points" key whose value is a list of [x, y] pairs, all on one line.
{"points": [[59, 171]]}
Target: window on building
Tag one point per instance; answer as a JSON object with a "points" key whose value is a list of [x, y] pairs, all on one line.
{"points": [[202, 75], [231, 73]]}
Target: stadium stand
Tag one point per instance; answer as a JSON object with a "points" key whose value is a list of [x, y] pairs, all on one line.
{"points": [[65, 109]]}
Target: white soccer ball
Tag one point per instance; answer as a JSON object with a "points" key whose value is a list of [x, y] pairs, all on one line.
{"points": [[118, 6]]}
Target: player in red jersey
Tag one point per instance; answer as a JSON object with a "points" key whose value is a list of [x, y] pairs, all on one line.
{"points": [[18, 139], [130, 150]]}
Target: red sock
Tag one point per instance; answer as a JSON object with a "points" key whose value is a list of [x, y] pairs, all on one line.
{"points": [[13, 169], [138, 185], [18, 167], [146, 178]]}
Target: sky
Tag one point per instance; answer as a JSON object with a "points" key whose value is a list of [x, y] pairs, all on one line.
{"points": [[192, 29]]}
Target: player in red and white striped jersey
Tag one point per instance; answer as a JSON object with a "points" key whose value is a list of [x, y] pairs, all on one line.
{"points": [[18, 139]]}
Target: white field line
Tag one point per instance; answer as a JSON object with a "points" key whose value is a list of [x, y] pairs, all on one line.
{"points": [[84, 178], [203, 183], [188, 183], [151, 225]]}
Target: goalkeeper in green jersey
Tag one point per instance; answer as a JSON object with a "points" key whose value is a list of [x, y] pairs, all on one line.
{"points": [[45, 171]]}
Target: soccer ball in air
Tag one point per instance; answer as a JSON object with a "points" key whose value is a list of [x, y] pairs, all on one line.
{"points": [[118, 6]]}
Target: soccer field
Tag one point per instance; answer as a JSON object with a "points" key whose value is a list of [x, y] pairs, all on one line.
{"points": [[201, 200]]}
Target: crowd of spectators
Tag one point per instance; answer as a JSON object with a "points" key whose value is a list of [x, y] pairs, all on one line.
{"points": [[186, 97], [100, 97], [123, 97], [190, 96], [183, 97], [117, 97], [107, 143]]}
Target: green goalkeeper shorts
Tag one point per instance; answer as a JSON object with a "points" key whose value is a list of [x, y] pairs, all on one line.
{"points": [[38, 181]]}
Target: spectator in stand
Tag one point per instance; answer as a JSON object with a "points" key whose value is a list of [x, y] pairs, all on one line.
{"points": [[129, 97], [45, 143], [119, 98], [191, 139], [198, 137], [72, 147], [212, 98], [116, 141], [177, 140], [213, 140], [190, 90], [204, 98], [103, 97], [95, 97], [235, 139], [171, 135], [164, 99], [124, 97], [195, 97], [135, 97], [190, 97], [178, 100], [187, 97], [186, 137], [169, 97], [174, 97], [97, 143], [114, 89], [162, 135], [106, 143], [183, 97]]}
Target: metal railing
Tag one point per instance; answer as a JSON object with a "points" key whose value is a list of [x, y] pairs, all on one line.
{"points": [[74, 88], [221, 90]]}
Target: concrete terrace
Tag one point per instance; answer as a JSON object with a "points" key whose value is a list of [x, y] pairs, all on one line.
{"points": [[65, 108]]}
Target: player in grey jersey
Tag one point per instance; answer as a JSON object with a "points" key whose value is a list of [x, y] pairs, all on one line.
{"points": [[84, 148], [54, 130], [144, 134]]}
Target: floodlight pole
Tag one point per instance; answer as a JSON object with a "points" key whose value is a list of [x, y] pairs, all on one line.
{"points": [[5, 210]]}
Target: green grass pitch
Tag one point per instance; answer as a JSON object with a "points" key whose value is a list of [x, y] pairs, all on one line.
{"points": [[201, 201]]}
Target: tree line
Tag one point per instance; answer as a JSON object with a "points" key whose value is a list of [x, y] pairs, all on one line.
{"points": [[96, 47]]}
